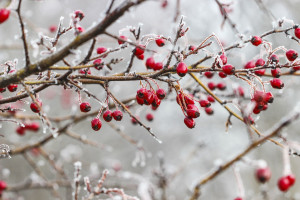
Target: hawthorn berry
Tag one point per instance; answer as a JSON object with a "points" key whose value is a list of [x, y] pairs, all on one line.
{"points": [[34, 126], [21, 130], [291, 178], [149, 97], [297, 32], [160, 42], [224, 59], [256, 40], [139, 100], [283, 184], [259, 63], [149, 117], [181, 69], [240, 91], [249, 65], [107, 116], [160, 93], [156, 102], [228, 69], [275, 72], [96, 124], [291, 55], [98, 64], [274, 59], [263, 174], [222, 75], [211, 85], [204, 103], [268, 97], [3, 185], [208, 74], [209, 110], [79, 14], [52, 28], [4, 15], [12, 87], [140, 57], [158, 66], [85, 107], [101, 50], [117, 115], [34, 107], [150, 63], [277, 83], [142, 92], [192, 111], [211, 99], [258, 96], [79, 29], [123, 38], [139, 50], [221, 86], [189, 122], [134, 121]]}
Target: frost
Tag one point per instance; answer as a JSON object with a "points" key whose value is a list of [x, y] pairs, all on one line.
{"points": [[77, 165]]}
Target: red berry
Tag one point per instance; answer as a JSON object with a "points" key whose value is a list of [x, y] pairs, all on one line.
{"points": [[34, 107], [156, 102], [85, 71], [52, 28], [192, 111], [263, 174], [142, 92], [160, 93], [204, 103], [98, 64], [297, 32], [134, 121], [85, 107], [140, 57], [211, 99], [20, 130], [150, 63], [240, 91], [107, 116], [2, 90], [260, 62], [158, 66], [139, 100], [181, 69], [139, 50], [222, 75], [101, 50], [249, 65], [4, 15], [277, 83], [224, 59], [291, 55], [3, 185], [209, 110], [260, 72], [283, 184], [123, 38], [255, 40], [189, 122], [149, 117], [274, 59], [12, 87], [221, 86], [149, 97], [117, 115], [160, 42], [79, 14], [189, 99], [258, 96], [275, 72], [208, 74], [192, 47], [79, 29], [228, 69], [96, 124], [34, 126], [211, 85], [291, 178]]}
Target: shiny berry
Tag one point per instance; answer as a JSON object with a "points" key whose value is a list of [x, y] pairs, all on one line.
{"points": [[297, 32], [117, 115], [221, 86], [21, 130], [291, 55], [149, 117], [123, 38], [192, 111], [277, 83], [250, 65], [181, 69], [260, 62], [3, 185], [85, 107], [34, 126], [12, 87], [150, 63], [274, 59], [291, 178], [101, 50], [80, 29], [275, 72], [211, 99], [4, 15], [142, 92], [160, 93], [139, 50], [224, 59], [228, 69], [255, 40], [139, 100], [34, 107], [149, 97], [258, 96], [158, 66], [98, 64], [209, 110], [283, 184], [208, 74], [160, 42], [211, 85], [222, 75], [141, 57], [204, 103], [107, 116], [268, 98], [96, 124], [189, 122], [156, 102], [263, 174]]}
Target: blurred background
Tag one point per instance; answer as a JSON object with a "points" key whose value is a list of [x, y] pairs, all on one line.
{"points": [[187, 154]]}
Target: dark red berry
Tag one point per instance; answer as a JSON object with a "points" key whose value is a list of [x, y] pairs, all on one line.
{"points": [[160, 42], [211, 85], [107, 116], [12, 87], [260, 62], [149, 117], [117, 115], [291, 55], [181, 69], [250, 65], [224, 59], [228, 69], [149, 97], [101, 50], [274, 59], [139, 50], [85, 107], [139, 100], [208, 74], [268, 97], [4, 15], [221, 86], [160, 93], [297, 32], [156, 102], [211, 99], [98, 64], [96, 124], [258, 96], [189, 122], [204, 103], [283, 184], [123, 38], [79, 14], [277, 83], [140, 57], [291, 178], [150, 63], [142, 92], [255, 40], [34, 126], [240, 91], [158, 66], [222, 75], [21, 130], [79, 29], [260, 72], [275, 72], [192, 111], [209, 110], [34, 107], [263, 174]]}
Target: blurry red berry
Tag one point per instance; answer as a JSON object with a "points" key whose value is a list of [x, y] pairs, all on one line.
{"points": [[2, 90], [140, 57], [250, 65], [12, 87], [222, 75], [224, 59], [158, 66], [211, 99], [34, 107], [297, 32], [204, 103], [3, 185], [85, 71], [4, 15], [123, 38], [34, 126], [79, 14], [160, 93], [211, 85], [101, 50], [98, 64], [53, 28], [149, 117], [221, 86], [21, 130], [209, 110], [139, 50], [283, 184], [292, 179], [274, 59], [150, 63], [192, 111], [208, 74], [277, 83], [80, 29], [263, 174], [192, 47]]}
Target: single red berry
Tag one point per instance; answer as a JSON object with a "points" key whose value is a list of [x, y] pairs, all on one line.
{"points": [[209, 110], [101, 50], [265, 107], [139, 100], [204, 103], [149, 117], [181, 69], [12, 87], [85, 71], [53, 28], [96, 124], [211, 99], [192, 47], [192, 111], [80, 29], [2, 90], [189, 99], [263, 174], [158, 66], [142, 92], [98, 64], [297, 32], [150, 63], [34, 126], [291, 55], [21, 130], [268, 98], [34, 107], [156, 102], [222, 75], [160, 93], [275, 72], [3, 185], [296, 68], [211, 85], [291, 178], [228, 69], [117, 115], [208, 74], [4, 15], [123, 38], [256, 110], [85, 107], [79, 14], [224, 59], [221, 86], [160, 42], [274, 59], [283, 184], [139, 50], [250, 65], [277, 83], [189, 122], [141, 57], [260, 62], [255, 40], [260, 72], [134, 121], [107, 116]]}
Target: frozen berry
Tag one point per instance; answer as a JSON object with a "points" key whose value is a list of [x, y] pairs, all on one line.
{"points": [[79, 14], [21, 130], [250, 65], [160, 93], [291, 55], [98, 64], [208, 74], [209, 110], [96, 124], [4, 15], [189, 122], [150, 63], [3, 185], [263, 174], [228, 69], [101, 50], [181, 69], [283, 184], [107, 116], [85, 107], [277, 83], [160, 42], [158, 66], [221, 86], [12, 87], [222, 75], [34, 126], [275, 72], [274, 59], [297, 32], [117, 115], [192, 47], [192, 111], [211, 85], [141, 56], [224, 59], [34, 107], [123, 38], [204, 103], [255, 40], [142, 92], [149, 117], [139, 50], [211, 99]]}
